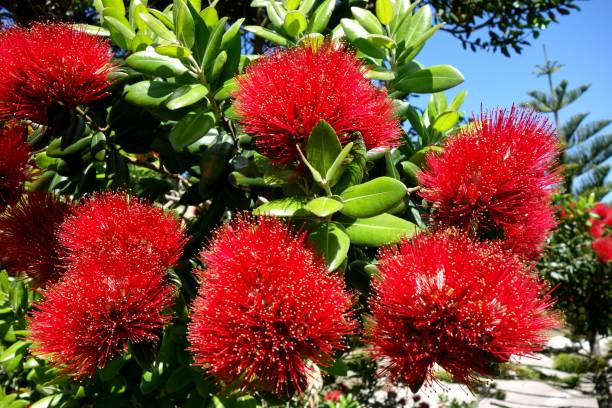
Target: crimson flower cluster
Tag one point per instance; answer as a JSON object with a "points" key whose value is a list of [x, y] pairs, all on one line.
{"points": [[600, 231], [28, 237], [267, 311], [14, 156], [50, 66], [494, 180], [114, 290], [284, 95], [465, 305]]}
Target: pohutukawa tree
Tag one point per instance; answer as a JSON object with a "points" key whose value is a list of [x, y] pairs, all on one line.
{"points": [[227, 228]]}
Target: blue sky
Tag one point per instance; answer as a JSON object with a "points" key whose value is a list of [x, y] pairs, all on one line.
{"points": [[581, 41]]}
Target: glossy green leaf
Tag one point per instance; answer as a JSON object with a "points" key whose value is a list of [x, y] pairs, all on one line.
{"points": [[157, 27], [48, 401], [214, 45], [121, 32], [152, 63], [381, 41], [186, 95], [384, 11], [15, 349], [376, 231], [433, 79], [324, 206], [191, 128], [149, 94], [390, 169], [267, 34], [322, 147], [231, 33], [321, 16], [410, 170], [285, 207], [367, 20], [291, 4], [163, 18], [218, 65], [173, 50], [306, 6], [315, 173], [210, 17], [229, 87], [275, 15], [380, 74], [457, 101], [335, 171], [358, 36], [419, 157], [372, 198], [295, 23], [330, 241], [184, 25], [446, 121], [117, 5]]}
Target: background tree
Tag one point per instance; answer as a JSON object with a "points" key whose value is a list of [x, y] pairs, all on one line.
{"points": [[589, 151], [494, 25]]}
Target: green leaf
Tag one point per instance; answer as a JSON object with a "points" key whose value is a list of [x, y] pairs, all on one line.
{"points": [[411, 170], [384, 11], [291, 4], [457, 101], [306, 6], [322, 147], [191, 128], [157, 27], [339, 368], [186, 95], [324, 206], [381, 41], [446, 121], [390, 169], [122, 33], [173, 50], [231, 33], [14, 350], [367, 20], [48, 402], [358, 36], [184, 25], [372, 198], [315, 174], [433, 79], [380, 74], [285, 207], [214, 45], [335, 171], [152, 63], [321, 16], [116, 5], [419, 157], [295, 23], [150, 94], [267, 34], [210, 16], [331, 242], [230, 86], [218, 65], [376, 231]]}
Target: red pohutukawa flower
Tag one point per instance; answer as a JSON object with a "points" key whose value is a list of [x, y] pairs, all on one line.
{"points": [[50, 66], [462, 304], [114, 223], [92, 313], [603, 248], [28, 237], [14, 156], [494, 180], [598, 225], [283, 96], [267, 310]]}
